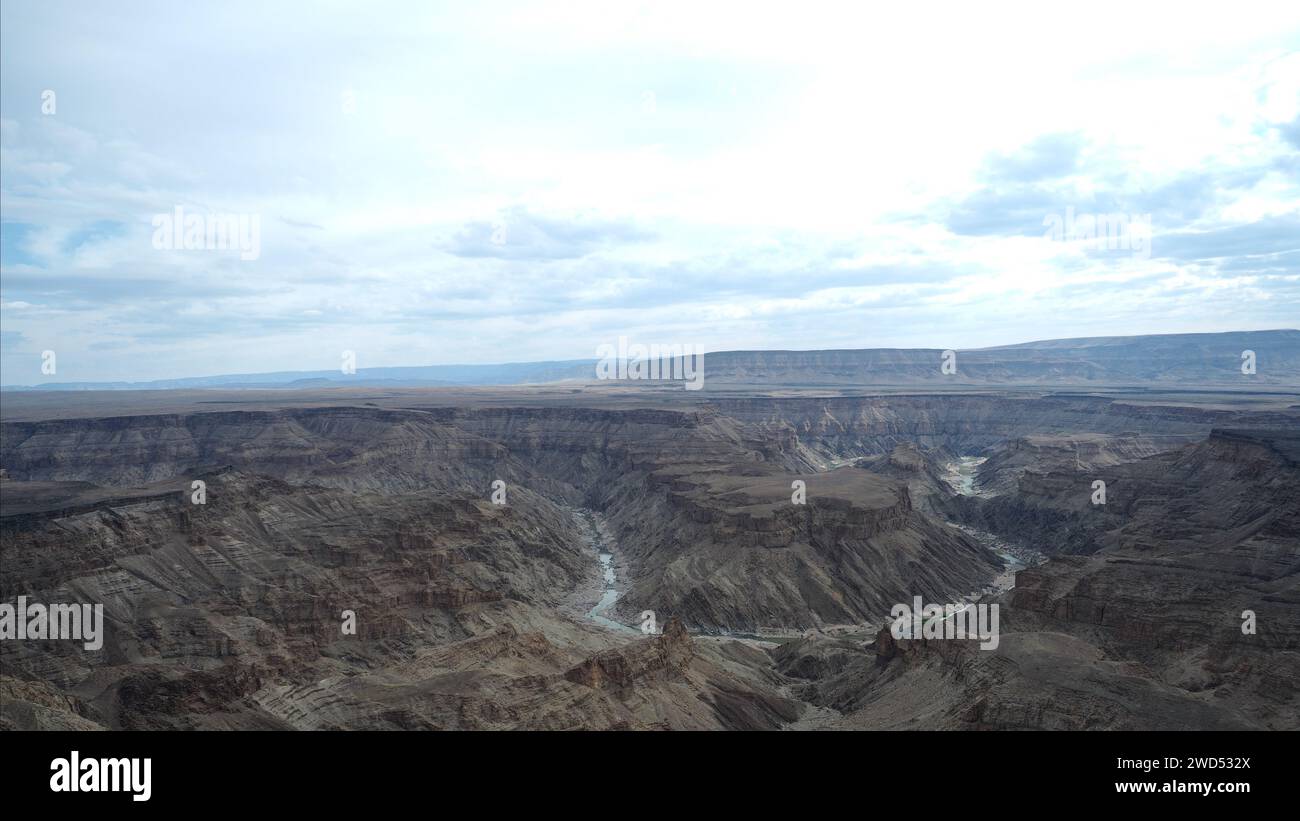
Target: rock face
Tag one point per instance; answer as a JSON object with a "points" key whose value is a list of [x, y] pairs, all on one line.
{"points": [[347, 447], [665, 656], [1090, 453], [473, 614], [732, 552], [1197, 495], [1146, 630], [815, 432]]}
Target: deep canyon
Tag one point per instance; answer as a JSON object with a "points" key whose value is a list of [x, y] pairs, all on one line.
{"points": [[527, 612]]}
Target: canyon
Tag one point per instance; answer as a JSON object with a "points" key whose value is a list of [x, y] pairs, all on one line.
{"points": [[769, 610]]}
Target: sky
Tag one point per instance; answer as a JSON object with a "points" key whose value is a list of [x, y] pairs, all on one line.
{"points": [[489, 182]]}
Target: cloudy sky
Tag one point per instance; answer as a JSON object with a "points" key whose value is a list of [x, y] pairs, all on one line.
{"points": [[479, 183]]}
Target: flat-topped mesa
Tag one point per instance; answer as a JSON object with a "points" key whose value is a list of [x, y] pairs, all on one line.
{"points": [[1253, 444], [908, 457], [741, 549], [759, 511], [823, 521], [1184, 359]]}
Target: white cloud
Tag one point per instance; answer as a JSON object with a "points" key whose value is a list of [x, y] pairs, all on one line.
{"points": [[790, 187]]}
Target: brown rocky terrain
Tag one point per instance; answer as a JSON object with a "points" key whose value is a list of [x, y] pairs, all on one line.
{"points": [[228, 615], [1143, 632], [729, 551], [474, 615], [1009, 461]]}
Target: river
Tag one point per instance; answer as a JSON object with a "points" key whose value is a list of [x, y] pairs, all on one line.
{"points": [[961, 476], [595, 534]]}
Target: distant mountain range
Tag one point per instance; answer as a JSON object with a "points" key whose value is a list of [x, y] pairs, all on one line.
{"points": [[1166, 360], [514, 373]]}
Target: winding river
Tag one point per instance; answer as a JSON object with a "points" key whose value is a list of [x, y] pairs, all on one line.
{"points": [[596, 536], [961, 475]]}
